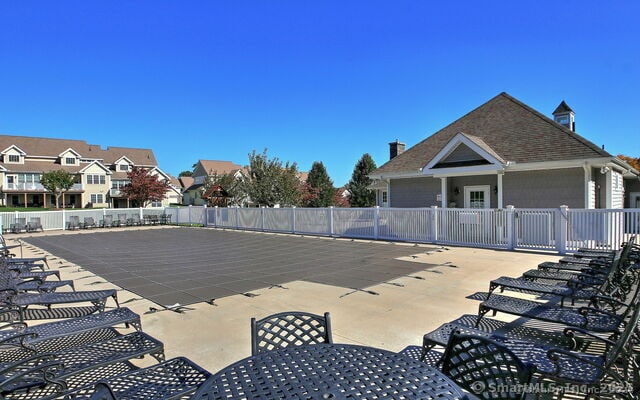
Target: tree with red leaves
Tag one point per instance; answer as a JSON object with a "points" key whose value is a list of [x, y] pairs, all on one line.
{"points": [[144, 187], [634, 162]]}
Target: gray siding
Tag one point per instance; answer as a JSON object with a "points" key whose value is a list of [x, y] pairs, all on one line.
{"points": [[545, 189], [462, 153], [630, 186], [461, 181], [416, 192]]}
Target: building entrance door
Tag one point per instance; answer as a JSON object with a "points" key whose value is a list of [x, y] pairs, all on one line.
{"points": [[477, 196]]}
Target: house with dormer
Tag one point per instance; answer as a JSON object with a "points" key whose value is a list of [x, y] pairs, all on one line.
{"points": [[506, 153], [99, 173], [203, 170]]}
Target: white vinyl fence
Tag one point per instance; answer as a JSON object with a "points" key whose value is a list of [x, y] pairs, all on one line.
{"points": [[556, 229]]}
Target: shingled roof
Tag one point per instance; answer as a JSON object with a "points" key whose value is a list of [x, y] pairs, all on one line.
{"points": [[511, 129], [48, 147]]}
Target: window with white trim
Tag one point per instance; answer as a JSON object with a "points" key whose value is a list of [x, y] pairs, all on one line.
{"points": [[124, 167], [14, 158], [70, 160], [95, 179], [97, 198]]}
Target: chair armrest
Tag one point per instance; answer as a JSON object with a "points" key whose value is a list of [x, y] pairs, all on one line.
{"points": [[39, 368], [556, 355], [570, 333], [615, 304]]}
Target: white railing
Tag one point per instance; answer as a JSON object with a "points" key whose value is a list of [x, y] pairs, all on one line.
{"points": [[35, 186], [556, 229]]}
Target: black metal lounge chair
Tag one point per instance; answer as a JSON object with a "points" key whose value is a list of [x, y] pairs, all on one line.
{"points": [[89, 222], [36, 284], [73, 222], [20, 225], [171, 379], [108, 222], [34, 225], [577, 289], [21, 301], [591, 318], [289, 329], [19, 333], [122, 220], [614, 365], [486, 368], [76, 367], [134, 220]]}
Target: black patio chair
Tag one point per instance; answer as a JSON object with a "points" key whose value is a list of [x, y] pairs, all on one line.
{"points": [[291, 328], [19, 333], [89, 222], [74, 367], [34, 225], [604, 314], [34, 284], [134, 220], [20, 225], [73, 222], [108, 222], [616, 284], [615, 364], [12, 298], [122, 220], [486, 368], [171, 379]]}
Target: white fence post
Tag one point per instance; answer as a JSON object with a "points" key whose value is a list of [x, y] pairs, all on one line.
{"points": [[237, 217], [376, 222], [63, 219], [512, 235], [434, 224], [262, 219], [562, 224], [331, 220], [215, 217], [190, 214], [293, 219]]}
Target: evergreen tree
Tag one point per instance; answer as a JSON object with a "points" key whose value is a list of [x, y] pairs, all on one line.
{"points": [[320, 181], [358, 186]]}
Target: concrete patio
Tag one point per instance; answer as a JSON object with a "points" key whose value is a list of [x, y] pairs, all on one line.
{"points": [[401, 311]]}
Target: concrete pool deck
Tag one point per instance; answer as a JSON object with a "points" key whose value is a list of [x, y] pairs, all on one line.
{"points": [[215, 335]]}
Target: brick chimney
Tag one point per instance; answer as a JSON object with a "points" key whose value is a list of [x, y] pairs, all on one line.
{"points": [[395, 149]]}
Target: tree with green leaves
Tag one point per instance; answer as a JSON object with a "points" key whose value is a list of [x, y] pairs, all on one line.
{"points": [[185, 173], [144, 187], [228, 183], [269, 182], [318, 179], [57, 182], [358, 186]]}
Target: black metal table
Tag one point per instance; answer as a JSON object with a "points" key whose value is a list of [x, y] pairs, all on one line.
{"points": [[329, 371]]}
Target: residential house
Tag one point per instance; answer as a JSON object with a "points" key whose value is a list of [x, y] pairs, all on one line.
{"points": [[100, 173], [506, 153], [192, 194]]}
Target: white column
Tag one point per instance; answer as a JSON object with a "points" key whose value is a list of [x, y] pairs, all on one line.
{"points": [[499, 190], [443, 192], [608, 190]]}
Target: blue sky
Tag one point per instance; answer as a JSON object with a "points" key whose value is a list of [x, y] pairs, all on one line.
{"points": [[324, 80]]}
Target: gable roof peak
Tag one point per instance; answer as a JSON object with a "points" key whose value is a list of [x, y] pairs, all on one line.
{"points": [[562, 108]]}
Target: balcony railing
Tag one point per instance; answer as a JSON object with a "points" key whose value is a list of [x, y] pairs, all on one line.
{"points": [[35, 187], [115, 193]]}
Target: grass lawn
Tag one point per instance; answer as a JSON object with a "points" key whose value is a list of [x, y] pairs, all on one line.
{"points": [[12, 209]]}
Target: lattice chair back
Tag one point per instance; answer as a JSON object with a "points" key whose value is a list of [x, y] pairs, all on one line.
{"points": [[485, 368], [289, 329]]}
